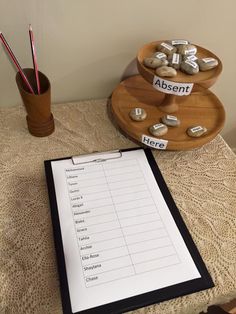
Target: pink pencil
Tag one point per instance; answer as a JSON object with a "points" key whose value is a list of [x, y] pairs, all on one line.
{"points": [[33, 50], [13, 58]]}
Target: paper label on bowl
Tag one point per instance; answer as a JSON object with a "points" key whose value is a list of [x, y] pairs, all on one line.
{"points": [[190, 51], [207, 60], [165, 45], [196, 129], [138, 111], [192, 63], [160, 55], [154, 142], [169, 87], [192, 58], [157, 126], [179, 42], [175, 58], [171, 117]]}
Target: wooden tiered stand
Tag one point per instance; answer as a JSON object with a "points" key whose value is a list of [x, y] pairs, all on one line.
{"points": [[201, 107]]}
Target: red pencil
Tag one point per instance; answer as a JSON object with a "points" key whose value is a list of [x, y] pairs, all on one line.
{"points": [[13, 58], [33, 50]]}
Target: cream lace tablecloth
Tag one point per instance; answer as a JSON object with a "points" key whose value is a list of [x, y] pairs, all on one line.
{"points": [[202, 182]]}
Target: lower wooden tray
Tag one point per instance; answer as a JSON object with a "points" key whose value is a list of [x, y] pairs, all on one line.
{"points": [[202, 107]]}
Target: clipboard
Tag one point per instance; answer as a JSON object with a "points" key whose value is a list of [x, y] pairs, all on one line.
{"points": [[202, 282]]}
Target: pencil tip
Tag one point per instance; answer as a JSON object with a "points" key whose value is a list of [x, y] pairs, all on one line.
{"points": [[30, 27]]}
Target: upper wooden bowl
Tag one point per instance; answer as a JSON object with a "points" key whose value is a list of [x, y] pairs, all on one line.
{"points": [[204, 79]]}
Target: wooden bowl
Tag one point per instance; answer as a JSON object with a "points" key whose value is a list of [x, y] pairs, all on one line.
{"points": [[199, 108], [204, 79]]}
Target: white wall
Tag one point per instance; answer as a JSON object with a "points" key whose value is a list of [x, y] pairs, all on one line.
{"points": [[84, 46]]}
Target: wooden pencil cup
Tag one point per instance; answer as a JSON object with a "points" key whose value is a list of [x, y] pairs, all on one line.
{"points": [[39, 118]]}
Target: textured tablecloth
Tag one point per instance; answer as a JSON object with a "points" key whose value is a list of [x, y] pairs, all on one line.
{"points": [[202, 182]]}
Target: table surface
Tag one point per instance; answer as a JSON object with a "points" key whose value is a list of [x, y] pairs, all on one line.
{"points": [[202, 183]]}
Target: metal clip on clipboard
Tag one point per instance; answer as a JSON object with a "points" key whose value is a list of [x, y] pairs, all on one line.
{"points": [[96, 157]]}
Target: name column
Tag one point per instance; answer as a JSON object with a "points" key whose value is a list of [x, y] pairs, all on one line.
{"points": [[103, 252]]}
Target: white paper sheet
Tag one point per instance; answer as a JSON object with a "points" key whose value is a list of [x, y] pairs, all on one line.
{"points": [[118, 235]]}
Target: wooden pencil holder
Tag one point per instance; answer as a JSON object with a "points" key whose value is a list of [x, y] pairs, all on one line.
{"points": [[39, 118]]}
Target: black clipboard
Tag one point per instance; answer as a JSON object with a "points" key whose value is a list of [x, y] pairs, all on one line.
{"points": [[132, 303]]}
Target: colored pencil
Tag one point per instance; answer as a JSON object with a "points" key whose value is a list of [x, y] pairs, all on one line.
{"points": [[34, 57], [16, 63]]}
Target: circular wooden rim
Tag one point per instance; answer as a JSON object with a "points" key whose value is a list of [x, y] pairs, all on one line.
{"points": [[205, 79], [127, 96]]}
